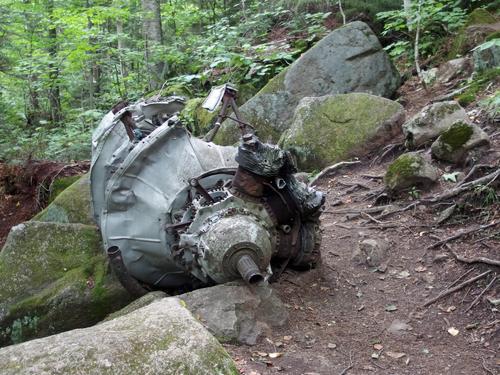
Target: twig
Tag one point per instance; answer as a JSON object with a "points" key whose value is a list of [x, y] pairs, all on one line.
{"points": [[486, 368], [451, 193], [344, 371], [371, 218], [491, 262], [458, 287], [351, 211], [461, 234], [472, 171], [332, 168], [460, 278], [487, 237], [384, 215], [341, 12], [481, 294]]}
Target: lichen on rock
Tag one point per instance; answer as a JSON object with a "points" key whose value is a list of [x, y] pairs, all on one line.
{"points": [[409, 170], [161, 338], [331, 128], [70, 206], [55, 274], [431, 121], [454, 143]]}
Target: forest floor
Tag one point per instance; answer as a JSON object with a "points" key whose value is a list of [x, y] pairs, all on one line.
{"points": [[347, 318]]}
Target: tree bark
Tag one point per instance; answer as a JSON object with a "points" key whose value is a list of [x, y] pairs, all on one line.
{"points": [[54, 89], [153, 38]]}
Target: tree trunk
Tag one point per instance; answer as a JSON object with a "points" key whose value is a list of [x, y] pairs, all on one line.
{"points": [[153, 38], [54, 89]]}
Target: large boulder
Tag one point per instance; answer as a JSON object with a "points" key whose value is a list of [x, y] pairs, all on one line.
{"points": [[331, 128], [455, 142], [410, 170], [54, 277], [431, 121], [161, 338], [234, 312], [349, 59], [70, 206]]}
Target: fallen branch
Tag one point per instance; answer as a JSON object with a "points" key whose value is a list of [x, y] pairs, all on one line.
{"points": [[457, 288], [457, 190], [461, 234], [491, 262], [373, 176], [481, 294], [384, 215], [471, 173], [331, 169], [351, 211]]}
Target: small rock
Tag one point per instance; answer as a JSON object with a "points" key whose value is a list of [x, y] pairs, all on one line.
{"points": [[453, 331], [455, 142], [395, 355], [431, 121], [391, 308], [398, 327], [487, 55], [454, 68], [409, 170], [370, 251], [331, 346], [378, 346]]}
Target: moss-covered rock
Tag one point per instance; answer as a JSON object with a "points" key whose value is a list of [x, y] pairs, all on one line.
{"points": [[145, 300], [199, 119], [454, 143], [70, 206], [331, 128], [410, 170], [161, 338], [431, 121], [59, 185], [479, 26], [349, 59], [480, 16], [487, 56], [54, 277]]}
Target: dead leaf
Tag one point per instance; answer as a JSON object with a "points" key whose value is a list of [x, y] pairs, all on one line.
{"points": [[453, 331], [287, 338], [420, 269], [275, 355], [331, 346], [378, 346], [395, 355], [375, 355]]}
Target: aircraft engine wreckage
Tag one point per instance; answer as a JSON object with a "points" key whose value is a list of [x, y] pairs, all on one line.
{"points": [[177, 212]]}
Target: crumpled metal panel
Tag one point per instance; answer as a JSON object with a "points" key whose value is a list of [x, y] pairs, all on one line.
{"points": [[139, 197], [110, 145]]}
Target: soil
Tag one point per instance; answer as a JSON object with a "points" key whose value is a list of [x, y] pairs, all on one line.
{"points": [[352, 318], [25, 189]]}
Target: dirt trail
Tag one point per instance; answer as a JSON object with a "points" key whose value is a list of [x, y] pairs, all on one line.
{"points": [[347, 318], [344, 314]]}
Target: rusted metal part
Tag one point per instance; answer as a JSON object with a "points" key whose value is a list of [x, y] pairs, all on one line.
{"points": [[194, 182], [248, 183]]}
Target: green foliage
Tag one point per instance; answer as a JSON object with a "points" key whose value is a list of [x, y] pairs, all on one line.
{"points": [[435, 19], [476, 85]]}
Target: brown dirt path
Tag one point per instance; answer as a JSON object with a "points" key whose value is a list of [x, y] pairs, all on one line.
{"points": [[338, 313]]}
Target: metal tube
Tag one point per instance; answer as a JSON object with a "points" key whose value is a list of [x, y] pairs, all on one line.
{"points": [[249, 270], [130, 284]]}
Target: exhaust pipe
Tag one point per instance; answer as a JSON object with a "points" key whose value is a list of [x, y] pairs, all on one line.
{"points": [[249, 270]]}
